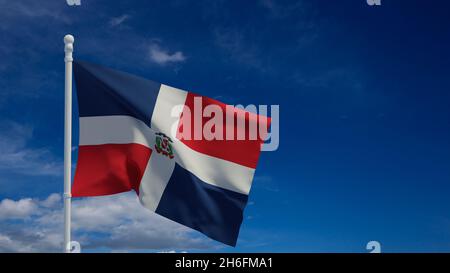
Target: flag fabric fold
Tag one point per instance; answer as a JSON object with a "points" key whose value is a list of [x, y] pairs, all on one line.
{"points": [[126, 143]]}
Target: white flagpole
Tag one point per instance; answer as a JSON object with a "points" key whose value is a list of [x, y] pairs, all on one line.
{"points": [[68, 49]]}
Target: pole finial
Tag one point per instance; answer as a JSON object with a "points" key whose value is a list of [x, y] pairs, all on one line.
{"points": [[68, 39], [68, 48]]}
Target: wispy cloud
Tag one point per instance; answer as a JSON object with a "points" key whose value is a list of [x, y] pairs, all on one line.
{"points": [[266, 182], [23, 23], [117, 21], [233, 41], [117, 222], [33, 9], [350, 79], [162, 56], [278, 10], [17, 157]]}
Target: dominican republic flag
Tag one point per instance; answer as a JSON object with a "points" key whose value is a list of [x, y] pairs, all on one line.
{"points": [[126, 143]]}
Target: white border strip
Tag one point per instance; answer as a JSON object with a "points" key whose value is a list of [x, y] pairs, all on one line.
{"points": [[114, 130]]}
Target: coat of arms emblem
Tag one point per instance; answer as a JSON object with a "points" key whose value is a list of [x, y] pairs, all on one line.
{"points": [[163, 145]]}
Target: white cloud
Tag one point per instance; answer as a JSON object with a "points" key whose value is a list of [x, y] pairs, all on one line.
{"points": [[26, 207], [10, 209], [8, 245], [117, 222], [16, 157], [117, 21], [162, 56], [51, 201]]}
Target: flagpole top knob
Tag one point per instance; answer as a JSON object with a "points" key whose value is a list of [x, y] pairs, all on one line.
{"points": [[69, 39], [68, 47]]}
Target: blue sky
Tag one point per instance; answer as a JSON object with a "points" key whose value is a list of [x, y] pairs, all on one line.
{"points": [[364, 118]]}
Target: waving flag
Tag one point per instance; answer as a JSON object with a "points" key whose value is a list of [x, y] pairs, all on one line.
{"points": [[126, 142]]}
